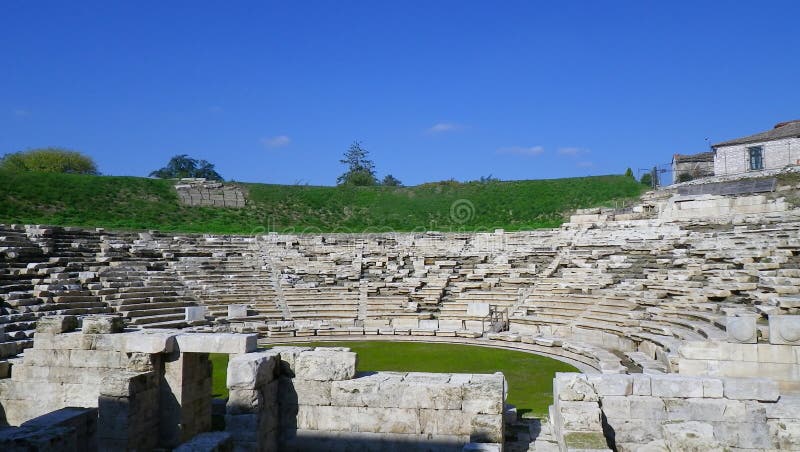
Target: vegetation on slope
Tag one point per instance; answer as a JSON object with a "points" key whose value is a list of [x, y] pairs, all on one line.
{"points": [[140, 203], [530, 377]]}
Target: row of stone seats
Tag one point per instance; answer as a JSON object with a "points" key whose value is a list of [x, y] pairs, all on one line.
{"points": [[322, 303], [230, 279], [144, 294]]}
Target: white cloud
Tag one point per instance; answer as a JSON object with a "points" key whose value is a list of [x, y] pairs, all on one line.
{"points": [[442, 127], [276, 141], [572, 151], [521, 150]]}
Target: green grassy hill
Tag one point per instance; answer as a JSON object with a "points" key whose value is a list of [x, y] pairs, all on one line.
{"points": [[141, 203]]}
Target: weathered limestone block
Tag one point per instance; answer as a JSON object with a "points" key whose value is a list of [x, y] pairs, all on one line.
{"points": [[784, 329], [358, 419], [707, 410], [676, 386], [149, 341], [742, 330], [785, 434], [229, 343], [244, 401], [751, 389], [236, 311], [745, 435], [579, 416], [641, 385], [444, 422], [417, 394], [102, 324], [252, 370], [478, 309], [574, 387], [56, 324], [484, 394], [82, 422], [429, 324], [324, 365], [195, 313], [128, 412], [691, 437], [376, 390], [610, 385], [288, 357], [294, 391], [486, 428]]}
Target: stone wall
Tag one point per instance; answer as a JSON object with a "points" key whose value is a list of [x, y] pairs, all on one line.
{"points": [[776, 154], [673, 413], [200, 192], [324, 405], [152, 390], [710, 206], [779, 362]]}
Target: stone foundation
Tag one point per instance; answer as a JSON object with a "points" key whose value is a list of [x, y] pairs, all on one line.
{"points": [[152, 390]]}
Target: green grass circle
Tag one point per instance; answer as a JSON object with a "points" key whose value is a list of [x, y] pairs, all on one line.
{"points": [[530, 377]]}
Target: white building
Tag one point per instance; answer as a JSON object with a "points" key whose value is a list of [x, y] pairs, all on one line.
{"points": [[773, 149]]}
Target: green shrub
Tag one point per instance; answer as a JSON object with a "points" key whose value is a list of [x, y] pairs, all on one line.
{"points": [[49, 160]]}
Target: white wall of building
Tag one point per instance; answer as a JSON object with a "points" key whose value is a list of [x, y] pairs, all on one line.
{"points": [[776, 154]]}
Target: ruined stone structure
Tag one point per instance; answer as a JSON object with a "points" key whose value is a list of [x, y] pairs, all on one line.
{"points": [[692, 166], [682, 312], [201, 192], [103, 388]]}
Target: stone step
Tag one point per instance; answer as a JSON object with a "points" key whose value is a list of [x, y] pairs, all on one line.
{"points": [[159, 318]]}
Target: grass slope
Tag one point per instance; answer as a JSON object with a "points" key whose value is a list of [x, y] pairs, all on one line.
{"points": [[141, 203], [530, 377]]}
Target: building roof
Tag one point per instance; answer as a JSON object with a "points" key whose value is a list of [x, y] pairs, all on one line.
{"points": [[693, 158], [786, 129]]}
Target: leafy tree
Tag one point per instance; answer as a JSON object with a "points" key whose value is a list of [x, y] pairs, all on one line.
{"points": [[360, 169], [49, 160], [647, 179], [181, 166], [629, 173], [391, 181]]}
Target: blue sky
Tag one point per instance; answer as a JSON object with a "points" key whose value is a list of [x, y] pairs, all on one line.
{"points": [[275, 91]]}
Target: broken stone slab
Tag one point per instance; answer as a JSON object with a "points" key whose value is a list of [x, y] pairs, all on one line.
{"points": [[102, 324], [230, 343], [57, 324], [573, 387]]}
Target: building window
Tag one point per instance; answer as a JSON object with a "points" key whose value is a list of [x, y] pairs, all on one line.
{"points": [[756, 158]]}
